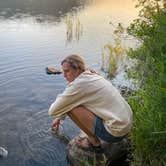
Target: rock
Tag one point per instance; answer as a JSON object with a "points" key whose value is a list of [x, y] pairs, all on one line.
{"points": [[3, 152], [125, 91], [112, 152]]}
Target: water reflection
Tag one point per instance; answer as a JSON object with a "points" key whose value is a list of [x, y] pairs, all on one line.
{"points": [[42, 9], [48, 7]]}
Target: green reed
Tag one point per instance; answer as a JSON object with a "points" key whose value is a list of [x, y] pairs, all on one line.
{"points": [[114, 56]]}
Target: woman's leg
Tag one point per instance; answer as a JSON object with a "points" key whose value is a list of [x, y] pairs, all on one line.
{"points": [[84, 119]]}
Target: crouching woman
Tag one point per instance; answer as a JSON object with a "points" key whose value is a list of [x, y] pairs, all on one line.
{"points": [[93, 104]]}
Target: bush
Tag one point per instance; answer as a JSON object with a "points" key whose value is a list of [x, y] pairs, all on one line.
{"points": [[149, 102]]}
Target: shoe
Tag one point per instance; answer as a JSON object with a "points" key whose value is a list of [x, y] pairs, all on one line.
{"points": [[51, 70], [3, 152], [91, 147]]}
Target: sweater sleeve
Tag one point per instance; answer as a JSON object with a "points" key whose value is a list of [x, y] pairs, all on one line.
{"points": [[66, 101]]}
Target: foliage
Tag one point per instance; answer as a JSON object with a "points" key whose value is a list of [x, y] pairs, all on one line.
{"points": [[149, 102]]}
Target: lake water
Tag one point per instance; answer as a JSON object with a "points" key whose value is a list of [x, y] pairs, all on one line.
{"points": [[35, 34]]}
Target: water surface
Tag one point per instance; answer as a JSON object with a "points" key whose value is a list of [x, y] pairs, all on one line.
{"points": [[35, 34]]}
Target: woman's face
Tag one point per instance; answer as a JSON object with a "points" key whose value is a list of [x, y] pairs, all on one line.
{"points": [[69, 72]]}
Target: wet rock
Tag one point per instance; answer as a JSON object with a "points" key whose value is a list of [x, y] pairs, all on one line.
{"points": [[126, 91], [3, 152], [112, 152]]}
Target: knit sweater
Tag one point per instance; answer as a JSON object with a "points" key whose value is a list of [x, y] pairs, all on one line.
{"points": [[100, 97]]}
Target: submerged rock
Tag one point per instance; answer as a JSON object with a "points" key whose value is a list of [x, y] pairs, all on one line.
{"points": [[112, 152]]}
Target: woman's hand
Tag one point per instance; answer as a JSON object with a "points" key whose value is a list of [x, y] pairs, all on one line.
{"points": [[93, 71], [55, 124]]}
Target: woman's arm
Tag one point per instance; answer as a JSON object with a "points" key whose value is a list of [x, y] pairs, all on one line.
{"points": [[65, 102]]}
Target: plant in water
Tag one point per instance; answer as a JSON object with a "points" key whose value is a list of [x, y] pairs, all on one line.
{"points": [[74, 28], [114, 56]]}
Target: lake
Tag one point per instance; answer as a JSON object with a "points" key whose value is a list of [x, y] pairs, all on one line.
{"points": [[35, 34]]}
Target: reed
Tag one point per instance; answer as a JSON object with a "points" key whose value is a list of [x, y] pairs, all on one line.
{"points": [[74, 28], [114, 56]]}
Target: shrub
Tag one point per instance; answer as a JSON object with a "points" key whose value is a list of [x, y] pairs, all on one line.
{"points": [[149, 102]]}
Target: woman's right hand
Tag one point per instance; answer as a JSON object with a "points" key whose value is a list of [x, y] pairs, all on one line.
{"points": [[55, 124]]}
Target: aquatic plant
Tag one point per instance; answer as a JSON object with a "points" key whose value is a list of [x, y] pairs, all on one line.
{"points": [[114, 56], [74, 28]]}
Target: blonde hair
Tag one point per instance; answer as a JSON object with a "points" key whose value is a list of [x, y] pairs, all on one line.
{"points": [[76, 62]]}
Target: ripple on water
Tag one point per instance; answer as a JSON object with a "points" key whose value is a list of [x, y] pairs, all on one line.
{"points": [[40, 146]]}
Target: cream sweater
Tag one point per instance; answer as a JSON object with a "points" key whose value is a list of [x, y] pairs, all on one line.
{"points": [[99, 96]]}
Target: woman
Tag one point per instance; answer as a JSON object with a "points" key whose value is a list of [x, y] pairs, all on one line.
{"points": [[93, 104]]}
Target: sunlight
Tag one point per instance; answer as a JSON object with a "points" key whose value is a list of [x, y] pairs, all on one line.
{"points": [[115, 10]]}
